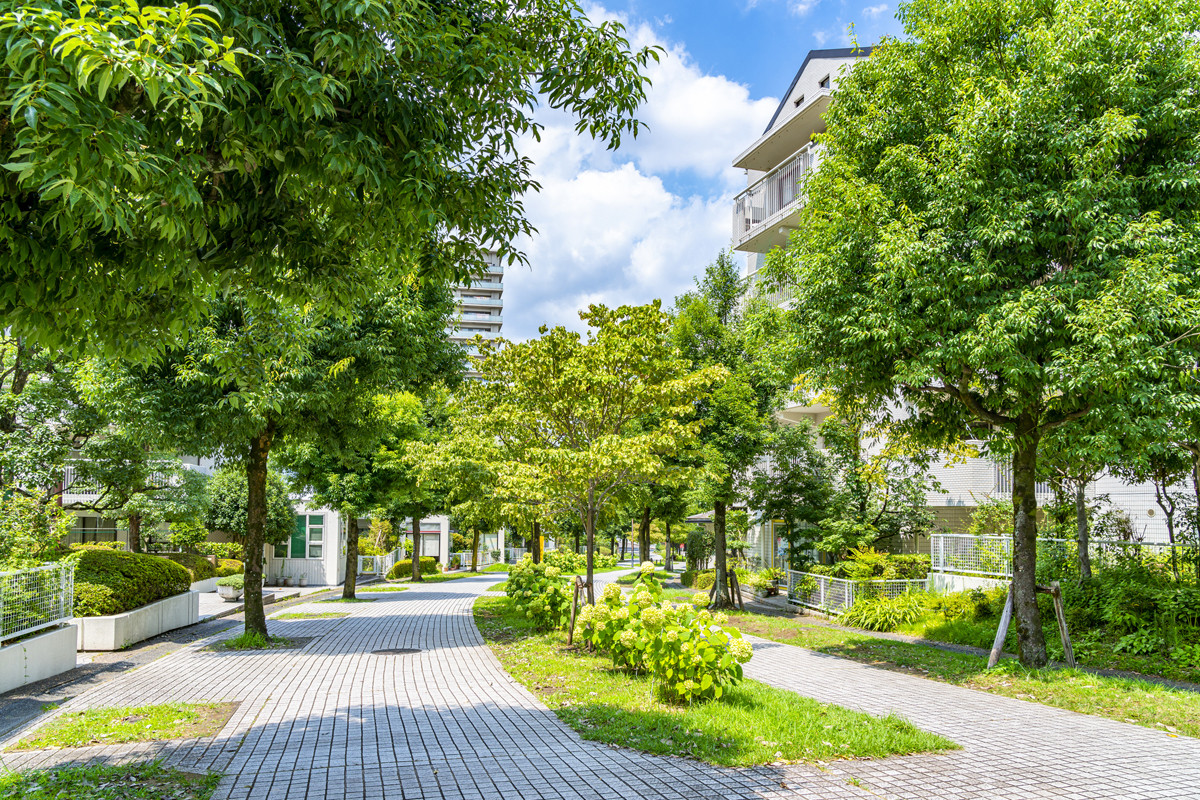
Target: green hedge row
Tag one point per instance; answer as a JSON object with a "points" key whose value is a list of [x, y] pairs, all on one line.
{"points": [[403, 569], [199, 567], [115, 581]]}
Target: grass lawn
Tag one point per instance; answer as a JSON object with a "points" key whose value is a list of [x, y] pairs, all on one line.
{"points": [[120, 725], [150, 781], [660, 574], [350, 599], [753, 724], [370, 588], [312, 615], [502, 586], [440, 577], [497, 568], [1140, 702], [252, 641]]}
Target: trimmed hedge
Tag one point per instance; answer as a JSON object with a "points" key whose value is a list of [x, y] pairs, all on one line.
{"points": [[199, 567], [115, 581], [403, 569], [229, 566]]}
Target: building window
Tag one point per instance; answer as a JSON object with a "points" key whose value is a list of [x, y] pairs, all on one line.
{"points": [[799, 100], [307, 540], [824, 84]]}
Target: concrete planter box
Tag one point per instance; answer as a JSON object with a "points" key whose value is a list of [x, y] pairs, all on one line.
{"points": [[206, 585], [119, 630], [37, 658]]}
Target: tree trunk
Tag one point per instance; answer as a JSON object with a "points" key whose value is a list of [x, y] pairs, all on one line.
{"points": [[256, 524], [475, 551], [536, 549], [135, 532], [416, 554], [644, 536], [624, 541], [668, 562], [721, 598], [351, 522], [1162, 495], [1195, 450], [577, 541], [589, 526], [1081, 531], [1031, 640]]}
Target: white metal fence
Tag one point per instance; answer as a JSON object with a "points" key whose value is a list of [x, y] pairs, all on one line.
{"points": [[37, 598], [965, 554], [777, 190], [836, 595], [514, 554], [464, 558], [380, 565]]}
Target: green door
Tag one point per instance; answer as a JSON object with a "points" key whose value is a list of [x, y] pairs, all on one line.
{"points": [[299, 537]]}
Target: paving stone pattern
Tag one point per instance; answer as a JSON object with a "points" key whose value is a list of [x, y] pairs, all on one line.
{"points": [[332, 721]]}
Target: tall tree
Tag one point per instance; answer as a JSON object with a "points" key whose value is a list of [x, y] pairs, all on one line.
{"points": [[1001, 233], [582, 422], [793, 484], [712, 327], [244, 147]]}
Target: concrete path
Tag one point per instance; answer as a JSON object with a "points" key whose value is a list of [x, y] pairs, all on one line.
{"points": [[332, 720]]}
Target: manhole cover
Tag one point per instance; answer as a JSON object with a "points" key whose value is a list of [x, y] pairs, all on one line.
{"points": [[395, 651]]}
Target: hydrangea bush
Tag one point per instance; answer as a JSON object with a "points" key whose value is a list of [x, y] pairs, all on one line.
{"points": [[539, 590], [684, 647]]}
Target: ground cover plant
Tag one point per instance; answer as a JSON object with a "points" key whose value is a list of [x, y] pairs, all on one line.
{"points": [[253, 640], [132, 724], [312, 615], [403, 568], [147, 781], [752, 724], [633, 577], [383, 588], [1140, 702], [349, 600]]}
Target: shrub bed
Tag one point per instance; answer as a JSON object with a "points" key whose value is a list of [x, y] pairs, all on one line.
{"points": [[403, 569], [115, 581], [539, 591], [221, 550], [229, 566], [199, 567]]}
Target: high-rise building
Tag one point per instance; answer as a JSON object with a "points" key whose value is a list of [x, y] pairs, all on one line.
{"points": [[479, 308]]}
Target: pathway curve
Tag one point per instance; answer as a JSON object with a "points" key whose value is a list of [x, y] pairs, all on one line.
{"points": [[331, 720]]}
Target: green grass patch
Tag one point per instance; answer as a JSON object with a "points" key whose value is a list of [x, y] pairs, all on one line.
{"points": [[381, 588], [753, 724], [252, 640], [349, 599], [1127, 700], [146, 781], [440, 577], [633, 576], [502, 586], [135, 724], [312, 615], [497, 568]]}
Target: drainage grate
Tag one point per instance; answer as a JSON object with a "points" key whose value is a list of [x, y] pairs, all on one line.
{"points": [[395, 651]]}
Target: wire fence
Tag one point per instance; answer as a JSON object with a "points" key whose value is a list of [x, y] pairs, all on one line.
{"points": [[463, 558], [381, 565], [37, 598], [991, 556], [836, 595]]}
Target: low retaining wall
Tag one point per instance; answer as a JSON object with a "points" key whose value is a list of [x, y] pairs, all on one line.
{"points": [[206, 585], [119, 630], [37, 658], [949, 582]]}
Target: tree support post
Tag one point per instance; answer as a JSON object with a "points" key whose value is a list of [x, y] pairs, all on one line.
{"points": [[1001, 630]]}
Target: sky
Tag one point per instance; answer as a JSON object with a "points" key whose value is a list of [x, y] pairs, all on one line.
{"points": [[641, 223]]}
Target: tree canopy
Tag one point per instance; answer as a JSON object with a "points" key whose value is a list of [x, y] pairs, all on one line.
{"points": [[157, 156]]}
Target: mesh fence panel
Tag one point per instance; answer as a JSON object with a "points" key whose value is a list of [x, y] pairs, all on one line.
{"points": [[1057, 558], [32, 599]]}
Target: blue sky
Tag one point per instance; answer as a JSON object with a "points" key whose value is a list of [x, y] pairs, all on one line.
{"points": [[639, 224]]}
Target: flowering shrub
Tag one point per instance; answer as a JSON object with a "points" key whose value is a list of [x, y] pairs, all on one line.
{"points": [[690, 656], [541, 592]]}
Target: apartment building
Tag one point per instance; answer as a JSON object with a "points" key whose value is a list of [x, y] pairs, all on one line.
{"points": [[479, 308], [765, 213]]}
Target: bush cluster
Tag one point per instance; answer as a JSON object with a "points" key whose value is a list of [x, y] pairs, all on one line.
{"points": [[568, 561], [885, 613], [869, 564], [687, 652], [229, 566], [403, 569], [1145, 610], [199, 567], [540, 591], [222, 550], [115, 581], [237, 581]]}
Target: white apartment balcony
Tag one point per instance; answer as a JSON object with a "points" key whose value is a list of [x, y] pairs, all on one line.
{"points": [[76, 490], [762, 213], [470, 300], [787, 136]]}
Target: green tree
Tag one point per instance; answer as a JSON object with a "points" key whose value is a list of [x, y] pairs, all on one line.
{"points": [[229, 505], [711, 328], [242, 147], [1002, 232], [581, 423], [792, 484]]}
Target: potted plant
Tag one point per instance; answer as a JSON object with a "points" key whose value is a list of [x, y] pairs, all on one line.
{"points": [[302, 580], [287, 580], [230, 587]]}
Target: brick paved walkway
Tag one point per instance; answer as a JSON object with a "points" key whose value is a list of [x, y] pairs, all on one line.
{"points": [[330, 720]]}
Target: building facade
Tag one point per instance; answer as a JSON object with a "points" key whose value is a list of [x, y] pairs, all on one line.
{"points": [[479, 308], [765, 213]]}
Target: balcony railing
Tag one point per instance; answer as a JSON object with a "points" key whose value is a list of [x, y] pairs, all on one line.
{"points": [[478, 301], [778, 190], [75, 486]]}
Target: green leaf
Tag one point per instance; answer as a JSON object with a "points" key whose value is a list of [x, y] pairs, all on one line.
{"points": [[31, 117]]}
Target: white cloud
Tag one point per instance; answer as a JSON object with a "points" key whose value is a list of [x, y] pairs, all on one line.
{"points": [[874, 11], [801, 7], [622, 228], [821, 37]]}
